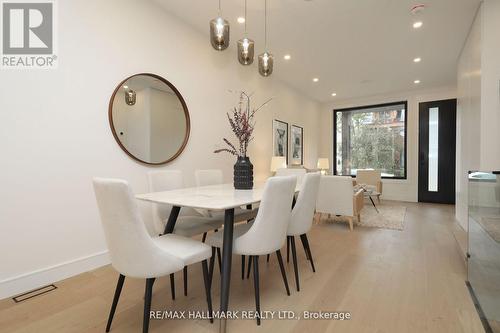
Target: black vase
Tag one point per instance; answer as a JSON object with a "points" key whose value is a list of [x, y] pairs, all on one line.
{"points": [[243, 174]]}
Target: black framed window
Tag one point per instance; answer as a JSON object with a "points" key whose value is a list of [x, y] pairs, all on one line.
{"points": [[371, 137]]}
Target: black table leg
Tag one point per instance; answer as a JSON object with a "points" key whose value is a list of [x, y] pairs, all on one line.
{"points": [[227, 253], [373, 203], [174, 213], [169, 228]]}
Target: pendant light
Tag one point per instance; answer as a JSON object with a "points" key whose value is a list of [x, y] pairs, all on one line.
{"points": [[245, 46], [130, 97], [266, 59], [219, 32]]}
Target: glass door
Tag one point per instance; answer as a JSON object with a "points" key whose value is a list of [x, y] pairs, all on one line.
{"points": [[483, 264]]}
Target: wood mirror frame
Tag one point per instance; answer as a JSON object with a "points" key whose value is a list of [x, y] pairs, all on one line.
{"points": [[184, 106]]}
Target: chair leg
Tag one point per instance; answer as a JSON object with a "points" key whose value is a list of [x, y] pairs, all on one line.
{"points": [[172, 286], [147, 304], [243, 267], [204, 237], [295, 267], [220, 259], [249, 266], [211, 268], [206, 281], [307, 248], [287, 248], [304, 246], [118, 291], [268, 257], [283, 273], [185, 275], [351, 227], [256, 285]]}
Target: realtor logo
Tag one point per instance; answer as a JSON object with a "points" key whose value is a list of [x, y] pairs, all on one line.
{"points": [[28, 34]]}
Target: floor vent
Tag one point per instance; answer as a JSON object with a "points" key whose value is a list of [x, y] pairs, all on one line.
{"points": [[34, 293]]}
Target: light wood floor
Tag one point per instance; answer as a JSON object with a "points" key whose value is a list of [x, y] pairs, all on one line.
{"points": [[390, 281]]}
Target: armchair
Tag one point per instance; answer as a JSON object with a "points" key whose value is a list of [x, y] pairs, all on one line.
{"points": [[336, 196], [372, 178]]}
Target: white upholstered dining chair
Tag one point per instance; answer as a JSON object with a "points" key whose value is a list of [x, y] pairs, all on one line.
{"points": [[302, 218], [267, 233], [297, 172], [189, 224], [134, 253], [336, 196]]}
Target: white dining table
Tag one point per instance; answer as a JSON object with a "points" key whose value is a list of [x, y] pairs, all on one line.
{"points": [[222, 197]]}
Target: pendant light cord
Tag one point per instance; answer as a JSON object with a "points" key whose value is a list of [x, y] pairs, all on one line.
{"points": [[245, 17], [219, 7], [265, 24]]}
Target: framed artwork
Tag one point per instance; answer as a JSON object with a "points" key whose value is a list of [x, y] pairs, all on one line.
{"points": [[280, 139], [297, 145]]}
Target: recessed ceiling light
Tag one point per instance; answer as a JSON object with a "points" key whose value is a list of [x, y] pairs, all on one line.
{"points": [[241, 20], [125, 87], [417, 60], [416, 81], [287, 57], [417, 24], [315, 79], [334, 94]]}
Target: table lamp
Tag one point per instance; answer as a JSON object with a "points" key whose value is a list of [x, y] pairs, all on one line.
{"points": [[277, 162], [323, 165]]}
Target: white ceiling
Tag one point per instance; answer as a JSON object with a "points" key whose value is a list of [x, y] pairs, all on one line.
{"points": [[355, 47]]}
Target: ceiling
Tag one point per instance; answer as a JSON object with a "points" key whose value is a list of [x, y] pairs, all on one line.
{"points": [[356, 48]]}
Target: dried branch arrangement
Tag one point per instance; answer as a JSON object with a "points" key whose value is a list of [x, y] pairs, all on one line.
{"points": [[242, 124]]}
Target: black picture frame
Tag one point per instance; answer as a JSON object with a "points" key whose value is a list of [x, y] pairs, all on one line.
{"points": [[280, 140], [294, 143]]}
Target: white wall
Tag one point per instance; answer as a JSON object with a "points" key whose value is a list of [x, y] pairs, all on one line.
{"points": [[490, 86], [478, 114], [404, 190], [468, 117], [55, 134]]}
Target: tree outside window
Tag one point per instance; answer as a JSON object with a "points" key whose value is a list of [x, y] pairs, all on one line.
{"points": [[371, 137]]}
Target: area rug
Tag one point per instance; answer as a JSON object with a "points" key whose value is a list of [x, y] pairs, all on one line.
{"points": [[390, 216]]}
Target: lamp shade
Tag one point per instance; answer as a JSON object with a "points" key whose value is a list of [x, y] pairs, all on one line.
{"points": [[245, 51], [323, 163], [277, 162], [219, 33], [266, 62]]}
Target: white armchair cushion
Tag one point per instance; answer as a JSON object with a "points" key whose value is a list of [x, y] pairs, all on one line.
{"points": [[335, 196]]}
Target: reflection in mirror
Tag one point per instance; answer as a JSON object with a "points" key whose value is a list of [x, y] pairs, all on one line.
{"points": [[149, 119]]}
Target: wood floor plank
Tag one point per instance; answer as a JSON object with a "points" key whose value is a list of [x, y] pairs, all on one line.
{"points": [[390, 281]]}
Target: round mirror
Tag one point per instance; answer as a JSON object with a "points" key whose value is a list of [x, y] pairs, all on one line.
{"points": [[149, 118]]}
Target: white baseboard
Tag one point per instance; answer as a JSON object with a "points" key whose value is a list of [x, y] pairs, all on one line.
{"points": [[32, 280]]}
